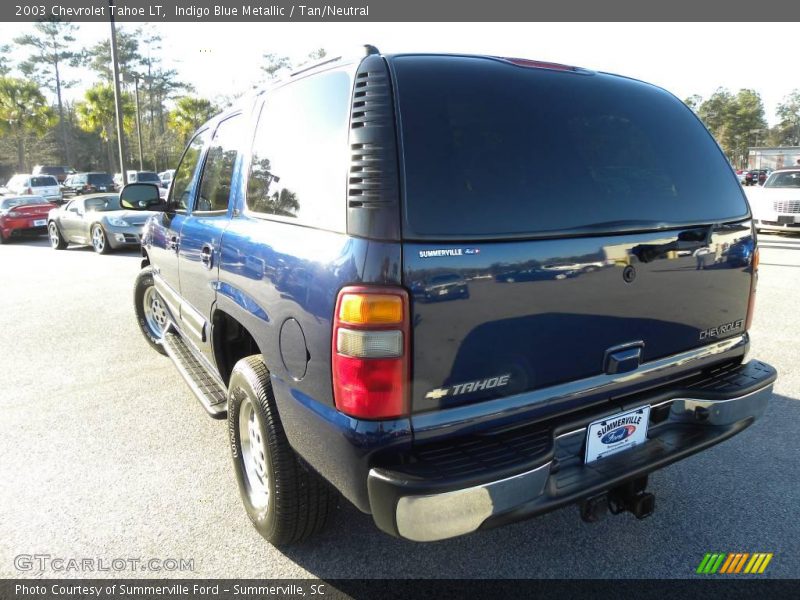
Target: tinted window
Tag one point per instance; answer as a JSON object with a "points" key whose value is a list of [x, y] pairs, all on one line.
{"points": [[147, 177], [299, 162], [43, 181], [100, 179], [182, 188], [215, 184], [491, 148], [52, 170]]}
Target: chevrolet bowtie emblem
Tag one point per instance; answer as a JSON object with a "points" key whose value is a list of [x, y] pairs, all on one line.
{"points": [[437, 393]]}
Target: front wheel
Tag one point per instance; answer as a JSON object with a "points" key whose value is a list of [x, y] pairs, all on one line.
{"points": [[151, 311], [57, 241], [285, 500], [100, 240]]}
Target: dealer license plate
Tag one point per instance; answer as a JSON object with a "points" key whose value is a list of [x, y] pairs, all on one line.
{"points": [[616, 433], [40, 222]]}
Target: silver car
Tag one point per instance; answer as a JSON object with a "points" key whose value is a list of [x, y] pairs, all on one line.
{"points": [[96, 219]]}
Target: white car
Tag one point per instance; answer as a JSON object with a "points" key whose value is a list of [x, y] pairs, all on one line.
{"points": [[45, 186], [776, 204]]}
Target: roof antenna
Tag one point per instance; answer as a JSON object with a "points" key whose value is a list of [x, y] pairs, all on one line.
{"points": [[370, 49]]}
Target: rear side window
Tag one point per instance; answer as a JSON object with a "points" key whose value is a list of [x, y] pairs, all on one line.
{"points": [[299, 163], [43, 181], [494, 149], [215, 185]]}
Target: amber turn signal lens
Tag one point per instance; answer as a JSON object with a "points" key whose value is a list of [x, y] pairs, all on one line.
{"points": [[370, 309]]}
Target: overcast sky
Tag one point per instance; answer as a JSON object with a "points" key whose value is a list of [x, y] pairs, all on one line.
{"points": [[224, 58]]}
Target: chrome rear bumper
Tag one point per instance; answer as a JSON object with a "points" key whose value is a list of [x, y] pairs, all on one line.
{"points": [[423, 510]]}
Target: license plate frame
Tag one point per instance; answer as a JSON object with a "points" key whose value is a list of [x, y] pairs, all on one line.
{"points": [[616, 433], [39, 222]]}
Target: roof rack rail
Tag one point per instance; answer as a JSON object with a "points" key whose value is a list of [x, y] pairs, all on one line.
{"points": [[314, 65], [366, 50]]}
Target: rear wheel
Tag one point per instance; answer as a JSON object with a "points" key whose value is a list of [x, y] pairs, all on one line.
{"points": [[2, 239], [151, 310], [99, 240], [57, 241], [286, 501]]}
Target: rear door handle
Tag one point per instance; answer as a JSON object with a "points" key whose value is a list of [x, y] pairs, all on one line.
{"points": [[206, 255]]}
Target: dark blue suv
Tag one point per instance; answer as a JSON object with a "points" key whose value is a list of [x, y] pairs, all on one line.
{"points": [[459, 291]]}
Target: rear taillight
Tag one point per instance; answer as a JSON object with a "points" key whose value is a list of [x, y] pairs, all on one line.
{"points": [[753, 282], [370, 352], [29, 191]]}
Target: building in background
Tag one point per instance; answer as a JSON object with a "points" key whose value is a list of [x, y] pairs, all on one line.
{"points": [[761, 157]]}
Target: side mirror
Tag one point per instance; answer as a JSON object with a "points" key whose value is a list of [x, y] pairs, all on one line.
{"points": [[141, 196]]}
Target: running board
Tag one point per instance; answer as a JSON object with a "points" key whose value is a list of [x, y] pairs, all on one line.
{"points": [[208, 389]]}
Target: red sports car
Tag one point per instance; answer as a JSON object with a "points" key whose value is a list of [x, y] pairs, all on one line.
{"points": [[23, 214]]}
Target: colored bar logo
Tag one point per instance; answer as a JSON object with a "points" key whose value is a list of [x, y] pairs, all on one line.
{"points": [[732, 563]]}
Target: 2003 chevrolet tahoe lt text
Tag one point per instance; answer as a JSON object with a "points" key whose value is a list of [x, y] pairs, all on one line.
{"points": [[459, 291]]}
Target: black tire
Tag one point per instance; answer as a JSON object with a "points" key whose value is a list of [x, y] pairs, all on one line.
{"points": [[2, 239], [104, 247], [144, 282], [299, 502], [57, 241]]}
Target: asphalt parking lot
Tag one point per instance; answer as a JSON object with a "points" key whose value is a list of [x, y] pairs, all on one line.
{"points": [[105, 453]]}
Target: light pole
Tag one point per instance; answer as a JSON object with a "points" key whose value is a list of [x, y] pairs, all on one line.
{"points": [[117, 94], [138, 120], [758, 153]]}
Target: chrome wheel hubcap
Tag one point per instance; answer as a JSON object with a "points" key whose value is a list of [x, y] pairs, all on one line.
{"points": [[98, 241], [254, 454], [53, 235], [155, 313]]}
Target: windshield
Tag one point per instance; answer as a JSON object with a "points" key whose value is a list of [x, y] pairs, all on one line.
{"points": [[12, 202], [102, 203], [493, 149], [784, 180], [146, 177]]}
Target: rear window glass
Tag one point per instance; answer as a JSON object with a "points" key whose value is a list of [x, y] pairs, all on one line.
{"points": [[43, 181], [143, 177], [52, 170], [493, 149], [100, 179]]}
